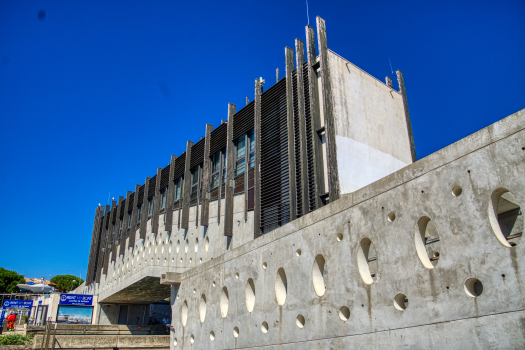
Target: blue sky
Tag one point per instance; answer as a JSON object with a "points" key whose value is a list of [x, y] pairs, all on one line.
{"points": [[98, 94]]}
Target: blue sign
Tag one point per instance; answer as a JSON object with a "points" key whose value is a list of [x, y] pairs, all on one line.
{"points": [[76, 299], [30, 283], [15, 304]]}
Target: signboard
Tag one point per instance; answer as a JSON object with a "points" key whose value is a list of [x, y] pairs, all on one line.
{"points": [[76, 299], [74, 314], [14, 304]]}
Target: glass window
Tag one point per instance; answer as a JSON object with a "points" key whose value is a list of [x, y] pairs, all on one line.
{"points": [[216, 165], [215, 180], [150, 206], [178, 183], [163, 198], [252, 160], [239, 169], [139, 214], [216, 161], [129, 218], [240, 147], [251, 136]]}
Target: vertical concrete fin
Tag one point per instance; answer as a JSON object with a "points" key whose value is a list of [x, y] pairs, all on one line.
{"points": [[93, 248], [185, 218], [125, 219], [134, 216], [156, 204], [326, 87], [116, 238], [388, 82], [315, 116], [257, 161], [168, 216], [299, 57], [246, 170], [277, 75], [291, 140], [144, 214], [402, 90], [109, 238], [230, 160], [219, 202], [205, 207]]}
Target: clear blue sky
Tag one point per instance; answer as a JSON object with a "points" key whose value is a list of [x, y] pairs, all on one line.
{"points": [[98, 94]]}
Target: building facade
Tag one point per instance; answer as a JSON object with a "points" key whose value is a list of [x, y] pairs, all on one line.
{"points": [[305, 221]]}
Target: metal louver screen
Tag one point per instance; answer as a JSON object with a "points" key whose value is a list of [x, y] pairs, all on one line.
{"points": [[218, 138], [243, 120], [151, 188], [179, 166], [197, 154], [165, 176], [275, 199], [309, 141], [140, 198]]}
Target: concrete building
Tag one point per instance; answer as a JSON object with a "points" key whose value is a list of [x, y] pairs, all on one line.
{"points": [[305, 221]]}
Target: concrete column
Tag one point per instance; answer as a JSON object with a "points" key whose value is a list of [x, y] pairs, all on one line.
{"points": [[403, 92], [257, 162], [134, 214], [94, 243], [246, 170], [291, 139], [206, 177], [185, 218], [116, 239], [103, 245], [277, 75], [315, 116], [168, 216], [126, 218], [326, 87], [299, 57], [199, 174], [156, 204], [221, 160], [230, 166], [388, 82], [144, 214], [109, 241], [247, 100]]}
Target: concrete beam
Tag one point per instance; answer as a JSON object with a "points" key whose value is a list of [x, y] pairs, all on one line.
{"points": [[170, 278], [291, 139], [206, 177], [168, 216], [403, 92], [257, 162], [230, 166], [326, 89], [185, 218], [299, 58]]}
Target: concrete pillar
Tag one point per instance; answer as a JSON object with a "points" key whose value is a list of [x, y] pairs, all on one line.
{"points": [[247, 100], [326, 87], [102, 246], [299, 57], [134, 215], [257, 162], [144, 216], [199, 174], [230, 166], [221, 160], [185, 217], [388, 82], [315, 116], [156, 204], [246, 170], [403, 92], [205, 207], [168, 216], [109, 241], [291, 140], [116, 238], [126, 218], [277, 75], [95, 239]]}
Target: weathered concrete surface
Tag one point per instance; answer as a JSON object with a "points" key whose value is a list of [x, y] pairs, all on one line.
{"points": [[439, 313], [106, 341]]}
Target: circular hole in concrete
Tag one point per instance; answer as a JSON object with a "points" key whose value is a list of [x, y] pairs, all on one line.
{"points": [[400, 302], [427, 242], [200, 260], [456, 191], [318, 274], [367, 261], [237, 275], [192, 339], [196, 245], [194, 291], [473, 287], [224, 302], [202, 308], [264, 327], [265, 265], [191, 259], [187, 246], [236, 332], [212, 335], [206, 244], [213, 283], [391, 217], [184, 313], [344, 313], [300, 321], [250, 295], [339, 237], [281, 286], [505, 217]]}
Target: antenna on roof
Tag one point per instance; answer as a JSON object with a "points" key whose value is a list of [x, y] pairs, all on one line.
{"points": [[391, 65], [307, 16]]}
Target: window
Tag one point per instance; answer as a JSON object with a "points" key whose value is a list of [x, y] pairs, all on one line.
{"points": [[178, 185], [150, 206], [239, 156], [129, 218], [251, 138], [163, 198], [216, 165], [139, 214]]}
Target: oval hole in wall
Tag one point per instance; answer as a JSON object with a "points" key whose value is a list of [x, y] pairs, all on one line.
{"points": [[344, 313], [428, 244], [206, 244], [212, 335], [281, 286], [318, 274], [265, 265], [473, 287], [224, 302], [178, 246], [186, 246], [391, 217], [174, 341], [400, 302], [202, 308], [339, 237], [196, 245], [264, 327], [250, 295], [457, 191], [298, 252], [236, 332], [367, 261], [300, 321], [506, 217], [192, 339], [184, 313]]}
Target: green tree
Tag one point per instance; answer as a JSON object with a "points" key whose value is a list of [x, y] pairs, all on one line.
{"points": [[8, 281], [65, 282]]}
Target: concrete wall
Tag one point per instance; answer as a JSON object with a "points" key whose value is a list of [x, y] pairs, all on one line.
{"points": [[439, 312], [371, 131]]}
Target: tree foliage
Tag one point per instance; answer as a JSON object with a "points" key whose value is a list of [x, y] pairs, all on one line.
{"points": [[65, 282], [8, 281]]}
